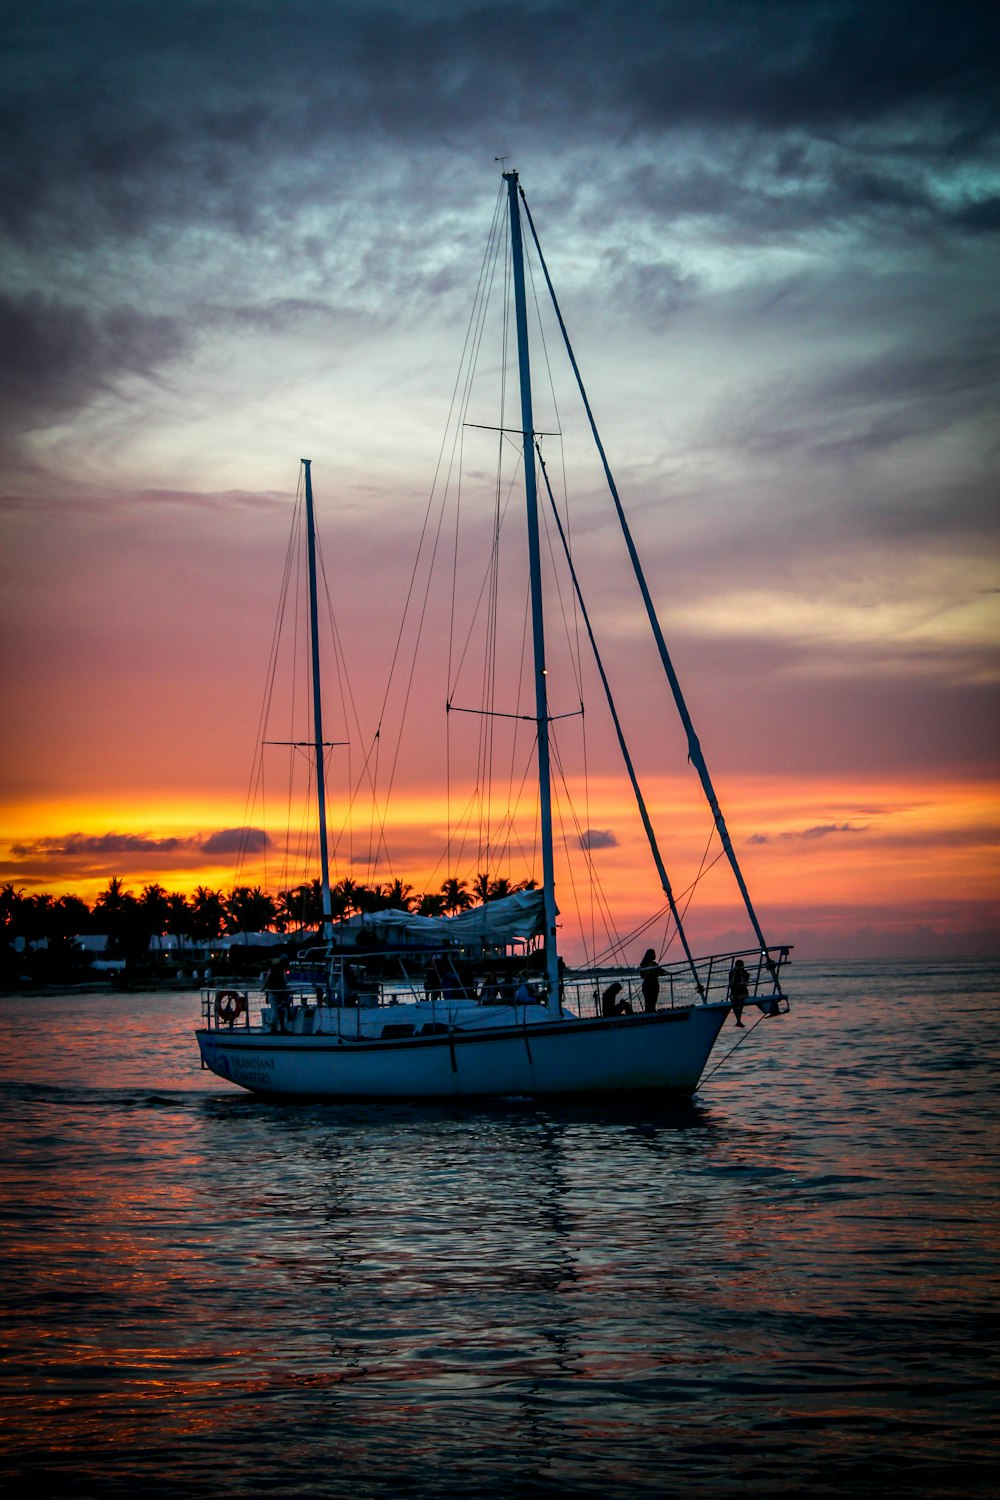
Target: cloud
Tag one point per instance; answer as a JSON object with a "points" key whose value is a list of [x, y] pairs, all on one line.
{"points": [[598, 838], [226, 114], [86, 846], [234, 150], [865, 406], [787, 66], [235, 841], [818, 831], [57, 356]]}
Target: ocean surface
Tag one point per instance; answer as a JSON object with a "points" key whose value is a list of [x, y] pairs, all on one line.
{"points": [[786, 1288]]}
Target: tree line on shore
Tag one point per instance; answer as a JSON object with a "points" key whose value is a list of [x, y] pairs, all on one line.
{"points": [[130, 921]]}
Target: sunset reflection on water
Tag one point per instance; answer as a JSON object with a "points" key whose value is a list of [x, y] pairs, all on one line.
{"points": [[785, 1284]]}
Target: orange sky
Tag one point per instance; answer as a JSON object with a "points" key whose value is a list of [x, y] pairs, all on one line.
{"points": [[823, 861]]}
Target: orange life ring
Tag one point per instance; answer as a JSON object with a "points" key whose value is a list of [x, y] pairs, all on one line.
{"points": [[229, 1006]]}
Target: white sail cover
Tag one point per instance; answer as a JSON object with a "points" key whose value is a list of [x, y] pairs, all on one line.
{"points": [[510, 919]]}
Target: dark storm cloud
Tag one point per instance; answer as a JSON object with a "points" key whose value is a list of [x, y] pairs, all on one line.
{"points": [[56, 355], [140, 136], [784, 65], [223, 111]]}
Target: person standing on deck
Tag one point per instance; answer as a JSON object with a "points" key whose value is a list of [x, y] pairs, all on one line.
{"points": [[650, 972], [739, 989], [276, 991]]}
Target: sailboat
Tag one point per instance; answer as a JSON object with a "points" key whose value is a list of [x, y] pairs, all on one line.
{"points": [[480, 1004]]}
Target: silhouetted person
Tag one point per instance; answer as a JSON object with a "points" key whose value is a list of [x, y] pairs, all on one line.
{"points": [[610, 1003], [276, 992], [739, 989], [650, 971]]}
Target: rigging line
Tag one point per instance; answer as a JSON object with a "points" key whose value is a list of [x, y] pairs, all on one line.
{"points": [[472, 340], [522, 661], [489, 593], [558, 433], [292, 589], [344, 685], [749, 1033], [483, 293], [507, 827], [494, 594], [694, 745], [629, 767], [420, 626], [494, 568], [269, 683], [595, 880], [353, 793], [454, 587], [701, 871], [488, 687], [619, 946], [664, 910], [472, 335], [272, 674], [574, 652], [483, 298], [586, 797], [436, 869], [570, 870], [569, 863], [454, 677]]}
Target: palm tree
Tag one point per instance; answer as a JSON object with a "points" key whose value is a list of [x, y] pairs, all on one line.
{"points": [[430, 905], [456, 895], [122, 914], [482, 886], [250, 910], [302, 905], [399, 896], [370, 898], [347, 894], [156, 907], [178, 916], [11, 910], [39, 916], [115, 905], [208, 914], [73, 916], [291, 906]]}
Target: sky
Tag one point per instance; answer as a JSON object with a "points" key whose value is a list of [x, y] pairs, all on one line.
{"points": [[237, 234]]}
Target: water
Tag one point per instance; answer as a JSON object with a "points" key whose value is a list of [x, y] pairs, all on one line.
{"points": [[788, 1286]]}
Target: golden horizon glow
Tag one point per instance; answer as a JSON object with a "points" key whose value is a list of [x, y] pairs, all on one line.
{"points": [[808, 845]]}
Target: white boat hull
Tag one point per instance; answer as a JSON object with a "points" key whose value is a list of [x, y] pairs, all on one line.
{"points": [[665, 1051]]}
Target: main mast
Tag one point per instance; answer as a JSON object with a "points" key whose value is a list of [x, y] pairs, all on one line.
{"points": [[324, 854], [535, 568]]}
